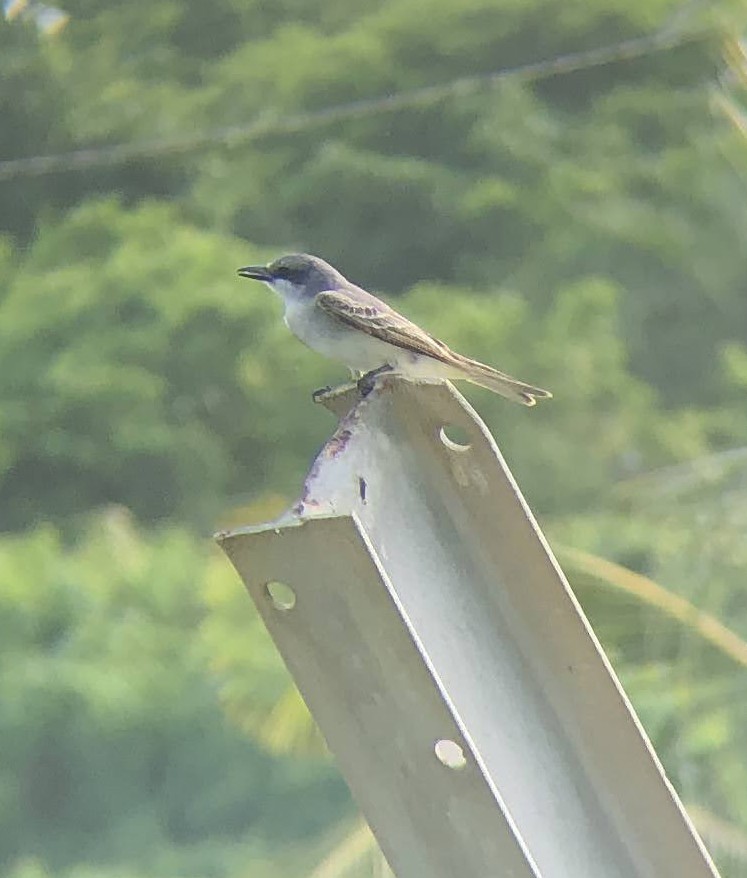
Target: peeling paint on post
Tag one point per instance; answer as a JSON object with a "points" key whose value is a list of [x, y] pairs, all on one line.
{"points": [[449, 665]]}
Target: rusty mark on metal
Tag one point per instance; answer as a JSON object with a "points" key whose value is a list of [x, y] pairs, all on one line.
{"points": [[337, 443]]}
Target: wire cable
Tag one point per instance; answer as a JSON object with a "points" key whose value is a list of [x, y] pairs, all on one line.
{"points": [[665, 38]]}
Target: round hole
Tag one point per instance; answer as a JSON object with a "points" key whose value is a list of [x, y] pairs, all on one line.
{"points": [[454, 438], [282, 596], [450, 753]]}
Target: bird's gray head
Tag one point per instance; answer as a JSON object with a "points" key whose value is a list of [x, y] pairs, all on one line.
{"points": [[297, 275]]}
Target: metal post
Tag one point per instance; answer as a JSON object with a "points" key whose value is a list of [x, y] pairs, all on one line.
{"points": [[447, 662]]}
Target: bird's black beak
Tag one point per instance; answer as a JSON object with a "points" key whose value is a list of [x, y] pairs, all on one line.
{"points": [[256, 272]]}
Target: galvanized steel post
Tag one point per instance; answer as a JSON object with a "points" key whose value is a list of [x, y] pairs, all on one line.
{"points": [[447, 662]]}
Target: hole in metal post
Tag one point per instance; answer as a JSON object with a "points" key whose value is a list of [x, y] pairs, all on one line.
{"points": [[450, 753], [282, 596], [455, 438], [362, 488]]}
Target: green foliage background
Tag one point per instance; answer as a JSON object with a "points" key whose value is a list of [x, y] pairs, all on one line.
{"points": [[584, 231]]}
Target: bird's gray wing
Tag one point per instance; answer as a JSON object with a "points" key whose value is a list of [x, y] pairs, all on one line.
{"points": [[384, 323]]}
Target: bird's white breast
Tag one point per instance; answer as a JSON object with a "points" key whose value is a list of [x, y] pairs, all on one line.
{"points": [[353, 347]]}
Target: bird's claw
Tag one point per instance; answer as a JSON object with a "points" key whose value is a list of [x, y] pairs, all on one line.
{"points": [[367, 381], [322, 391], [366, 384]]}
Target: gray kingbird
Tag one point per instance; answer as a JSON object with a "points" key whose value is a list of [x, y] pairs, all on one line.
{"points": [[344, 322]]}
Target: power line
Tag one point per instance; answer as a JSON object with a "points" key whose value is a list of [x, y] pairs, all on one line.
{"points": [[667, 37]]}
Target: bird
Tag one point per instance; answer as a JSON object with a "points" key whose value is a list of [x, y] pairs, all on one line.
{"points": [[342, 321]]}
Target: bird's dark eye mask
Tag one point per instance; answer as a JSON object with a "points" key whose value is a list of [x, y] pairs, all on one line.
{"points": [[286, 272]]}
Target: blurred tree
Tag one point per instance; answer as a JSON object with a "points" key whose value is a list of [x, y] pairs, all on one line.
{"points": [[32, 110], [583, 231], [677, 633], [113, 745], [615, 171], [136, 368]]}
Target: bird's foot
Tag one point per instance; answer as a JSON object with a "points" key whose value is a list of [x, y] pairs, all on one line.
{"points": [[367, 382], [323, 391]]}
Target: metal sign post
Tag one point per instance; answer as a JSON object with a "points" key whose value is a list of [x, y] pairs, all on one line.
{"points": [[447, 662]]}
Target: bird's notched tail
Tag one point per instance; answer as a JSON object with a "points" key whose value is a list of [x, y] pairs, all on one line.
{"points": [[499, 382]]}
